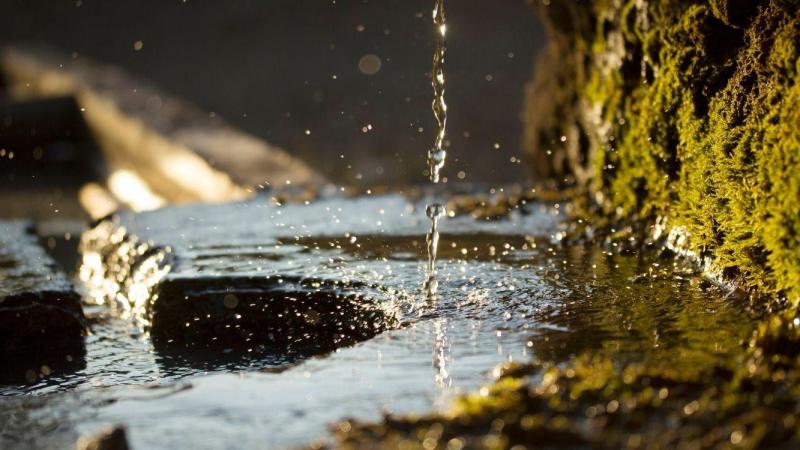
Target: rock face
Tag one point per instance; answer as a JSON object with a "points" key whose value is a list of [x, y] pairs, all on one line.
{"points": [[683, 110], [218, 276], [41, 320]]}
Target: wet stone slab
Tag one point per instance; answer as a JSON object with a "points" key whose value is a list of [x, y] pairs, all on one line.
{"points": [[220, 277], [41, 321], [270, 313]]}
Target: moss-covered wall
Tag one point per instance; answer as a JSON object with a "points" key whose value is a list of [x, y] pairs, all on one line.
{"points": [[687, 110]]}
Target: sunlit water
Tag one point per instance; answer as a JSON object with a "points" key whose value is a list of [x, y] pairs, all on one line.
{"points": [[508, 291]]}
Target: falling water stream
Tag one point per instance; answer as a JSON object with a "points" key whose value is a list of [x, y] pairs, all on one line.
{"points": [[437, 154]]}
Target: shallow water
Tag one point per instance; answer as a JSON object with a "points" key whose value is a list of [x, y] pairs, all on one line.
{"points": [[508, 290]]}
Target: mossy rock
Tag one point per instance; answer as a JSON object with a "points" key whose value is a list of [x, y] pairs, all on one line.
{"points": [[683, 110]]}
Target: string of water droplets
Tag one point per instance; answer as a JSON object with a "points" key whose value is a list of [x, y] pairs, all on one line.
{"points": [[437, 154]]}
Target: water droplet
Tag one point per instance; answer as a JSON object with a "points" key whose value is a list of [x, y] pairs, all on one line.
{"points": [[369, 64], [435, 211]]}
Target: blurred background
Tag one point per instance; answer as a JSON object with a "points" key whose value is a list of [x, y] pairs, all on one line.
{"points": [[342, 84]]}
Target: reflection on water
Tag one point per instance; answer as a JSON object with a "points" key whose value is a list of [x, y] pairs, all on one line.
{"points": [[442, 356], [507, 290]]}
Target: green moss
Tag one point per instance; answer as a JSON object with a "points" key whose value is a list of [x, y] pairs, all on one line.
{"points": [[688, 111]]}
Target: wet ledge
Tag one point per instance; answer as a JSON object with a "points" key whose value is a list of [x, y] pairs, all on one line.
{"points": [[41, 321], [194, 287]]}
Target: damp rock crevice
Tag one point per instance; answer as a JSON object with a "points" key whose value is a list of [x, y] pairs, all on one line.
{"points": [[40, 311]]}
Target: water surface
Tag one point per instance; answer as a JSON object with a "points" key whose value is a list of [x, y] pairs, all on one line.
{"points": [[508, 290]]}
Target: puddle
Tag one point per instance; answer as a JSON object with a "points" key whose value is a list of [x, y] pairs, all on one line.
{"points": [[507, 291]]}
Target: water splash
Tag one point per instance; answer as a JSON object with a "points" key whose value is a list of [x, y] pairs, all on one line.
{"points": [[437, 154]]}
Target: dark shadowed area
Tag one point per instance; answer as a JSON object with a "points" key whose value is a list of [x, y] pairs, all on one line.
{"points": [[341, 83]]}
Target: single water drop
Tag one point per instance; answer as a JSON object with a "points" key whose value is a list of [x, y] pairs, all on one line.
{"points": [[435, 211], [436, 156]]}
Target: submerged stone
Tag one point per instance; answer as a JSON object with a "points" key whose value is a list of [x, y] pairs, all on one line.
{"points": [[221, 276], [288, 313], [41, 320], [109, 439]]}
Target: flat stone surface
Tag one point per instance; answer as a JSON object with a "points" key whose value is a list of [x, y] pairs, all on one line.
{"points": [[251, 274], [235, 276], [41, 320]]}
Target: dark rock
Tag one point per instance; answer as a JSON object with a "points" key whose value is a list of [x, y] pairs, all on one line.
{"points": [[109, 439], [282, 312], [41, 320], [30, 124], [46, 155]]}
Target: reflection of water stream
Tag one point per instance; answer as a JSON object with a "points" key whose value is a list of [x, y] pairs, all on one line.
{"points": [[435, 212], [442, 356]]}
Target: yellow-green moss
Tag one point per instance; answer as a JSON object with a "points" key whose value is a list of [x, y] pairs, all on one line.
{"points": [[688, 110], [753, 402]]}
